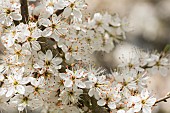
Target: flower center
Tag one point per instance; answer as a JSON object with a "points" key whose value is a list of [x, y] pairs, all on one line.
{"points": [[8, 11], [61, 83], [51, 4], [70, 49], [130, 65], [73, 77], [158, 63], [47, 75], [53, 26], [18, 53], [25, 100], [36, 89], [71, 93], [72, 5], [48, 63], [30, 39], [143, 101], [15, 83], [108, 99], [88, 40], [99, 23]]}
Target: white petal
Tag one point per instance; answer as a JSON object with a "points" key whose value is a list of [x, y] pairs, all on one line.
{"points": [[41, 55], [79, 73], [137, 107], [11, 42], [91, 92], [36, 46], [16, 16], [26, 45], [146, 109], [40, 80], [58, 67], [150, 101], [50, 9], [36, 33], [154, 70], [2, 91], [57, 61], [35, 103], [49, 55], [36, 66], [92, 78], [72, 1], [88, 84], [29, 89], [144, 94], [25, 80], [64, 76], [26, 52], [45, 22], [20, 89], [80, 84], [18, 47], [10, 92], [2, 68], [47, 32], [21, 107], [67, 12], [77, 13], [34, 82], [64, 48], [55, 36], [59, 6], [121, 111], [8, 21], [1, 77], [68, 83], [101, 102], [112, 105], [67, 56], [55, 18], [163, 71], [2, 17]]}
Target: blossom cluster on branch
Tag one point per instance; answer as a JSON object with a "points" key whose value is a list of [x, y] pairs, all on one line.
{"points": [[47, 62]]}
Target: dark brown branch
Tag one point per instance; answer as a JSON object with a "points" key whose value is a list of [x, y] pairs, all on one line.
{"points": [[24, 11], [96, 108], [58, 12], [91, 103], [164, 99]]}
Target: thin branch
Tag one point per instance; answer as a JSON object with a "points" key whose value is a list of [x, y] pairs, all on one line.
{"points": [[58, 12], [164, 99], [91, 103], [24, 11]]}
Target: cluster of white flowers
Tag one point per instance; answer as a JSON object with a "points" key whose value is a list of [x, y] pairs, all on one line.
{"points": [[46, 61]]}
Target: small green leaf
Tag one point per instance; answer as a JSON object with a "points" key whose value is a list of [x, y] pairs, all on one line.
{"points": [[167, 48]]}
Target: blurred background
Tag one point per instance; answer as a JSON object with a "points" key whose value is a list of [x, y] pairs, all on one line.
{"points": [[150, 20]]}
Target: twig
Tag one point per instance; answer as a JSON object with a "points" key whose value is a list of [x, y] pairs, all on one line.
{"points": [[24, 11], [164, 99], [58, 12]]}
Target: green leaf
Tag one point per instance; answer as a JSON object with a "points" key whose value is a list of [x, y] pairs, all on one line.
{"points": [[167, 48]]}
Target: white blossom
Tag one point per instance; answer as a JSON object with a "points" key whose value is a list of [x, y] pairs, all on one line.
{"points": [[9, 12], [73, 78], [74, 8], [48, 62]]}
